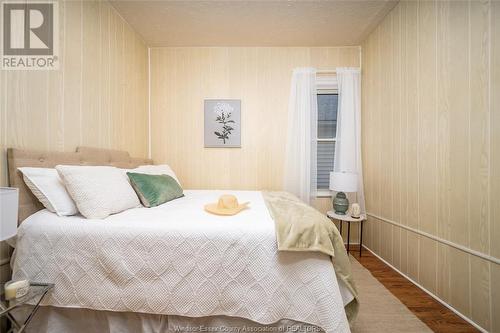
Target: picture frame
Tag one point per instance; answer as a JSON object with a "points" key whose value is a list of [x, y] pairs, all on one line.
{"points": [[222, 123]]}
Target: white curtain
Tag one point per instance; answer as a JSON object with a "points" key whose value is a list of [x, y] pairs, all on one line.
{"points": [[348, 145], [300, 161]]}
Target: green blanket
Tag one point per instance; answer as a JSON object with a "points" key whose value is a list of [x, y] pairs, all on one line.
{"points": [[300, 227]]}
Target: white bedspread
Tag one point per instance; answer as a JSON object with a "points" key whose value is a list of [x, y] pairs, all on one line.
{"points": [[176, 259]]}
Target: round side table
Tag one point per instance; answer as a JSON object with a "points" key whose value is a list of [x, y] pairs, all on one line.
{"points": [[347, 218]]}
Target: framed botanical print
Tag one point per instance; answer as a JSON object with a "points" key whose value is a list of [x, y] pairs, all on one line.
{"points": [[222, 123]]}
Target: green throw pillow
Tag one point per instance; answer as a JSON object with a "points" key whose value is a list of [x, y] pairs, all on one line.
{"points": [[154, 190]]}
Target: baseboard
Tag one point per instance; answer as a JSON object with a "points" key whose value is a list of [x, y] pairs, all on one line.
{"points": [[458, 313]]}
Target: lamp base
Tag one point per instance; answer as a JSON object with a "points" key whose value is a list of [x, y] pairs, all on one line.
{"points": [[340, 203]]}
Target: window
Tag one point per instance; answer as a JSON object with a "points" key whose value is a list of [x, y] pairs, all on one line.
{"points": [[327, 132]]}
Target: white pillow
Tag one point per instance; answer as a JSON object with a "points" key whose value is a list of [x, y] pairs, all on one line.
{"points": [[98, 191], [49, 189], [162, 169]]}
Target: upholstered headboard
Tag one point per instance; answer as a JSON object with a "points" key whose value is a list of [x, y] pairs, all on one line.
{"points": [[16, 158]]}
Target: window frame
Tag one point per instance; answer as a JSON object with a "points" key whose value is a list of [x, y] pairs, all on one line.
{"points": [[325, 85]]}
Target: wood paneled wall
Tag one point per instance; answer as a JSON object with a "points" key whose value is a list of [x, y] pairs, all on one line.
{"points": [[431, 138], [98, 97], [182, 78]]}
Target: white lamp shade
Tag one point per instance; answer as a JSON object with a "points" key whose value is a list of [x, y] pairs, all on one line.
{"points": [[9, 199], [343, 182]]}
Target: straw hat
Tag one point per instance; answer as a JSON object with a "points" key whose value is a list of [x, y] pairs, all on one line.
{"points": [[227, 205]]}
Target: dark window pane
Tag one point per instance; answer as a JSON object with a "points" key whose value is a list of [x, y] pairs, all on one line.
{"points": [[326, 151], [327, 116]]}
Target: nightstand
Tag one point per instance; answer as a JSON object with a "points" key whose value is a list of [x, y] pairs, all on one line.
{"points": [[347, 218], [36, 293]]}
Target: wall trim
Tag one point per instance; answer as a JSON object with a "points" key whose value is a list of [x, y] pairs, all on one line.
{"points": [[440, 240], [458, 313]]}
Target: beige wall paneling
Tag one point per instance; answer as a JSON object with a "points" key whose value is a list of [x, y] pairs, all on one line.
{"points": [[458, 79], [260, 76], [142, 98], [443, 95], [365, 151], [368, 146], [479, 123], [72, 73], [55, 93], [403, 151], [35, 109], [411, 104], [114, 76], [105, 61], [460, 281], [480, 292], [396, 133], [117, 74], [135, 79], [495, 164], [443, 274], [80, 103], [377, 141], [413, 246], [427, 269], [427, 137], [479, 12], [386, 138], [90, 87], [495, 130], [127, 72], [448, 183], [495, 297]]}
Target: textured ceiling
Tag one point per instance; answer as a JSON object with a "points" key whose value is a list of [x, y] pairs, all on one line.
{"points": [[253, 23]]}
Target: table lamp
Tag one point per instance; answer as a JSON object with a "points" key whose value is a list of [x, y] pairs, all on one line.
{"points": [[9, 199], [341, 182]]}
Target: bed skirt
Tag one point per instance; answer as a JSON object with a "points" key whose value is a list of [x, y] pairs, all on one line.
{"points": [[50, 319]]}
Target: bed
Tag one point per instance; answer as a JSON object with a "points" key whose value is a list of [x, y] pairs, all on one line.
{"points": [[171, 267]]}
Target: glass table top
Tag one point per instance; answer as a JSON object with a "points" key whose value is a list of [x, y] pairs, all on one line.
{"points": [[36, 290]]}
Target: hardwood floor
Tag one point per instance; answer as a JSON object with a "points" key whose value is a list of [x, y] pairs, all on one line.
{"points": [[427, 309]]}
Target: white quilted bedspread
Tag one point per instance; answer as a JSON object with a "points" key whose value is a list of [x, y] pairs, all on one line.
{"points": [[176, 259]]}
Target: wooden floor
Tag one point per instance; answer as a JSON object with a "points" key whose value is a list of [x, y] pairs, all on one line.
{"points": [[427, 309]]}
